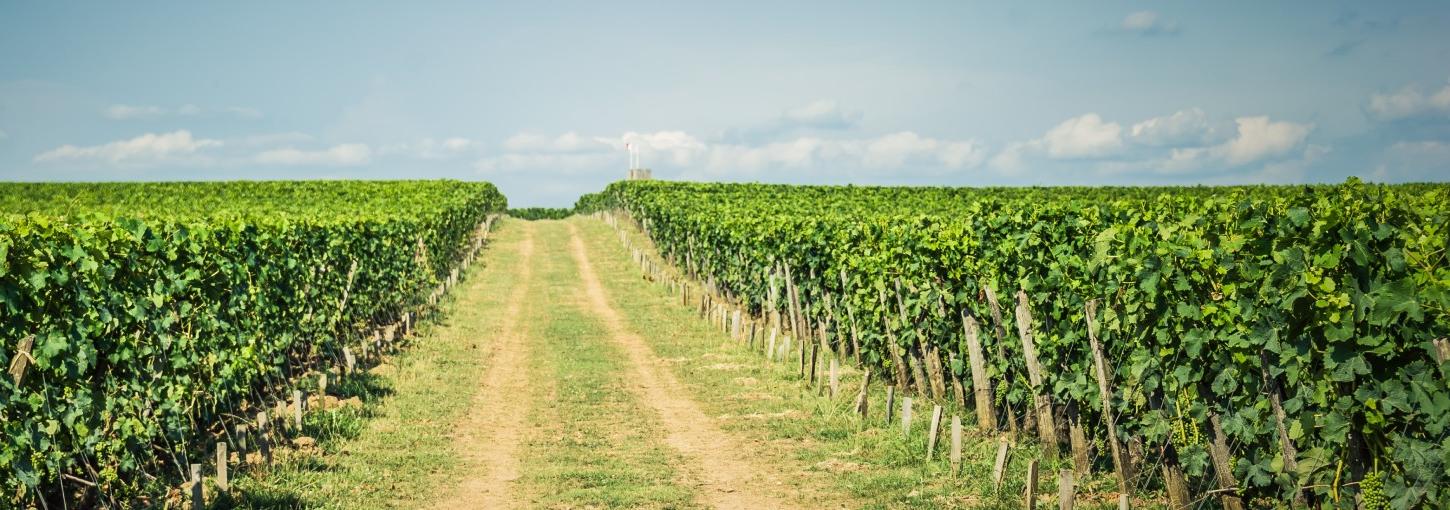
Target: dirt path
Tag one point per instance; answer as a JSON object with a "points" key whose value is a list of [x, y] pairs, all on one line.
{"points": [[728, 478], [488, 438]]}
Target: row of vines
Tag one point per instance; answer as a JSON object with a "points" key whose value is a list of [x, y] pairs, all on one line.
{"points": [[152, 311], [1266, 344]]}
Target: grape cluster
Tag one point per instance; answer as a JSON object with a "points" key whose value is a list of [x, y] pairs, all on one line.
{"points": [[1185, 431], [1372, 492]]}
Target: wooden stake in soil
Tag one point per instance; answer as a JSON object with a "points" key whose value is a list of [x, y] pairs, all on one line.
{"points": [[1105, 395], [932, 434], [956, 453], [770, 346], [242, 441], [835, 381], [1066, 491], [349, 359], [264, 439], [815, 355], [999, 469], [890, 402], [981, 385], [297, 401], [1042, 402], [221, 465], [1222, 469], [197, 502], [906, 416], [1123, 502], [1078, 439], [1000, 329], [1031, 484], [863, 398]]}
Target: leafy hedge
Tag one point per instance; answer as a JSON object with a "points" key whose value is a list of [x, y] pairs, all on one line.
{"points": [[155, 308], [1210, 301], [541, 213]]}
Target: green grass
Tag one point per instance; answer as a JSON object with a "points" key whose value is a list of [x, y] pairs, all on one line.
{"points": [[394, 452], [874, 466], [593, 444]]}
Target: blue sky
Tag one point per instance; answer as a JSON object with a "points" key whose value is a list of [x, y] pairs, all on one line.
{"points": [[541, 97]]}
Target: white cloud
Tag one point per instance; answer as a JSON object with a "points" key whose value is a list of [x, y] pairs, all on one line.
{"points": [[457, 144], [430, 148], [681, 151], [823, 114], [1083, 137], [1291, 171], [270, 140], [567, 142], [1408, 102], [146, 149], [1147, 23], [350, 154], [130, 112], [1182, 128], [1258, 138], [1255, 139]]}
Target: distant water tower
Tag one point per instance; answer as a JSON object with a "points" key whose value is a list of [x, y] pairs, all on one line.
{"points": [[635, 172]]}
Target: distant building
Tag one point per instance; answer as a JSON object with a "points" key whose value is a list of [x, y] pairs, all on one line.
{"points": [[640, 174]]}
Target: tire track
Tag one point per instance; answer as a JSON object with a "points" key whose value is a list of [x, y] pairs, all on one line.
{"points": [[488, 438], [728, 478]]}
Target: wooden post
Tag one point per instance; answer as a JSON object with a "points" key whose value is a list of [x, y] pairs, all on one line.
{"points": [[835, 381], [1123, 502], [999, 327], [1066, 492], [349, 360], [1081, 460], [1175, 484], [1287, 451], [898, 365], [1105, 395], [21, 360], [956, 453], [197, 502], [242, 441], [1031, 485], [264, 439], [221, 465], [1042, 401], [1222, 469], [958, 392], [770, 346], [863, 400], [914, 352], [890, 402], [981, 385], [999, 468], [851, 316], [297, 401], [931, 435], [906, 416], [815, 354]]}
